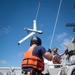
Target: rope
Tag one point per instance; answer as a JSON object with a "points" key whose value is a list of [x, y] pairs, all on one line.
{"points": [[38, 9], [55, 23]]}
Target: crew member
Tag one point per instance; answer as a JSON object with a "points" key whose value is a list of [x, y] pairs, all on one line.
{"points": [[33, 62], [56, 57]]}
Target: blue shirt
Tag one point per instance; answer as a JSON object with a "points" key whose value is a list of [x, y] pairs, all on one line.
{"points": [[39, 51]]}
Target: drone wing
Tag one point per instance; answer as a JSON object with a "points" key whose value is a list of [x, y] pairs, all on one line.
{"points": [[26, 37]]}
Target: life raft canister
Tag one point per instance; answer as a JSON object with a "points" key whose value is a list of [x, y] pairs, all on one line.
{"points": [[32, 61]]}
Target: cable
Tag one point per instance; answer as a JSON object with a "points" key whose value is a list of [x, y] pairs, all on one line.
{"points": [[38, 9], [55, 23]]}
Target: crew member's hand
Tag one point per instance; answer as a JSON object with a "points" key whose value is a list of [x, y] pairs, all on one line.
{"points": [[66, 51], [49, 50]]}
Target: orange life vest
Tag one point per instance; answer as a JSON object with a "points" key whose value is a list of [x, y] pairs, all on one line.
{"points": [[32, 61], [54, 61]]}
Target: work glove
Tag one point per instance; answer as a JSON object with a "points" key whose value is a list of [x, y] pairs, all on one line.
{"points": [[66, 51], [49, 50]]}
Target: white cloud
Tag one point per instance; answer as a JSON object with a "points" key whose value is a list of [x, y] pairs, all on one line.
{"points": [[61, 36], [5, 30], [3, 62], [65, 43]]}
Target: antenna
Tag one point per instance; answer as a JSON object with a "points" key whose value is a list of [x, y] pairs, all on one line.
{"points": [[38, 9], [72, 25], [55, 24]]}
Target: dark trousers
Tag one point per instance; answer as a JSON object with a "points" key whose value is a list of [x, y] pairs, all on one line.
{"points": [[31, 73]]}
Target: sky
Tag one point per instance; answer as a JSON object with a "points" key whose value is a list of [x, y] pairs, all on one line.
{"points": [[15, 15]]}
